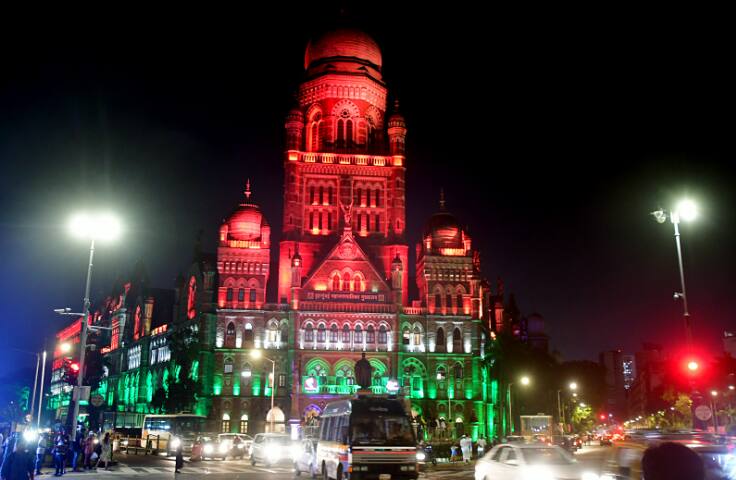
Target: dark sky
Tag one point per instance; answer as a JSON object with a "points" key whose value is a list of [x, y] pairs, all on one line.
{"points": [[554, 133]]}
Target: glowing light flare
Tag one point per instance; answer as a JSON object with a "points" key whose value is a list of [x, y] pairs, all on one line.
{"points": [[525, 380], [255, 354], [65, 347], [693, 366], [573, 386], [687, 210], [100, 226]]}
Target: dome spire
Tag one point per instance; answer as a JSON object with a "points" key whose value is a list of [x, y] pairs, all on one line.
{"points": [[442, 199], [247, 190]]}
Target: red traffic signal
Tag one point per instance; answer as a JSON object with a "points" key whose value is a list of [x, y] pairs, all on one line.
{"points": [[693, 366], [74, 367], [603, 416], [70, 372]]}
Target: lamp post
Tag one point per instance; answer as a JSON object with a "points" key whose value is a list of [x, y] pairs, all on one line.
{"points": [[686, 210], [39, 363], [256, 354], [524, 381], [90, 227], [560, 407], [714, 406]]}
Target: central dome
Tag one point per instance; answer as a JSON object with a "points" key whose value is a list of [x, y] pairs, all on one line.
{"points": [[345, 43], [445, 231], [245, 222]]}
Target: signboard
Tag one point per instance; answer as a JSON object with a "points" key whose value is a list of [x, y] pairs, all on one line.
{"points": [[703, 412], [356, 297], [97, 400], [81, 393]]}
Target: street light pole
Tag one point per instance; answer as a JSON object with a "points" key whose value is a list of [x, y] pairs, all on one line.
{"points": [[83, 337], [35, 383], [40, 396], [686, 314], [511, 415], [256, 354]]}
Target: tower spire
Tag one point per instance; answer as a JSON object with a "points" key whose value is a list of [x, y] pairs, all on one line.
{"points": [[442, 199], [247, 190]]}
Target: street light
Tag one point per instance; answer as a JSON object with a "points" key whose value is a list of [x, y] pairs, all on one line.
{"points": [[685, 210], [560, 410], [89, 227], [256, 355], [525, 381], [65, 347]]}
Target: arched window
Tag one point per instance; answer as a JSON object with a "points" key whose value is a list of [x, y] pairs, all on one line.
{"points": [[228, 366], [417, 336], [345, 376], [378, 197], [457, 341], [309, 333], [346, 282], [440, 344], [333, 333], [321, 333], [284, 334], [460, 303], [346, 334], [245, 375], [241, 294], [406, 337], [340, 132], [382, 337], [458, 371], [252, 295], [229, 296], [358, 336], [336, 282], [248, 336], [437, 302], [244, 423], [349, 132], [230, 335], [272, 334], [225, 423], [370, 334], [359, 286], [313, 142]]}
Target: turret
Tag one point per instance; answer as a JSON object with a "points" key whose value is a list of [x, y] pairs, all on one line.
{"points": [[397, 132]]}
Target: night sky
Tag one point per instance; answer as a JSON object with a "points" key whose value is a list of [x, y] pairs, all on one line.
{"points": [[553, 135]]}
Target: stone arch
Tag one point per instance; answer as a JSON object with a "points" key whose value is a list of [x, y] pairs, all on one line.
{"points": [[317, 367]]}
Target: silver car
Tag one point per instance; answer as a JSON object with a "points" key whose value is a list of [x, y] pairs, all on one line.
{"points": [[270, 448], [522, 462], [305, 458]]}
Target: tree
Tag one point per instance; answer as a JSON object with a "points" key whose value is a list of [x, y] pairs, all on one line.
{"points": [[583, 419], [183, 389], [678, 415], [158, 400]]}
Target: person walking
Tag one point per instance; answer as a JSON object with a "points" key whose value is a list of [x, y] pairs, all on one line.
{"points": [[89, 449], [106, 451], [41, 452], [77, 452], [466, 446], [179, 463], [481, 446], [59, 452], [19, 464]]}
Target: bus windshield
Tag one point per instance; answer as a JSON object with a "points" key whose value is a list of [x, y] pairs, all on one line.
{"points": [[175, 424], [382, 430]]}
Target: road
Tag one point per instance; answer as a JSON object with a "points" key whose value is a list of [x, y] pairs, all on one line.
{"points": [[157, 468]]}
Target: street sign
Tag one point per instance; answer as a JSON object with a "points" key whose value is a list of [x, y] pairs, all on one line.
{"points": [[97, 400], [703, 412], [80, 393]]}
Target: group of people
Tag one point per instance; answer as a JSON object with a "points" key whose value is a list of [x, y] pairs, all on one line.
{"points": [[86, 452], [464, 447]]}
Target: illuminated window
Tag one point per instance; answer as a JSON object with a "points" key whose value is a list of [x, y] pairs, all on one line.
{"points": [[340, 132], [358, 286], [349, 132], [358, 336], [457, 340], [228, 366], [406, 337], [370, 334], [248, 336], [241, 294], [252, 295], [417, 336], [345, 334], [440, 345], [333, 333], [346, 286], [230, 335], [282, 380], [309, 333], [225, 427], [272, 334], [321, 333], [336, 282], [229, 296], [382, 336], [244, 424]]}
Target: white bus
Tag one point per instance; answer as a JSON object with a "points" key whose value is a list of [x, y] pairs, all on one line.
{"points": [[366, 438], [167, 432]]}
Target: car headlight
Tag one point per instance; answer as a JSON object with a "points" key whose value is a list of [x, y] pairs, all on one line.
{"points": [[223, 448], [273, 456], [208, 449], [421, 456], [175, 443], [30, 436], [241, 446], [590, 476], [296, 452]]}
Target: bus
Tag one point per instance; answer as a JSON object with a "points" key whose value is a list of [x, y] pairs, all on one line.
{"points": [[367, 437], [167, 432]]}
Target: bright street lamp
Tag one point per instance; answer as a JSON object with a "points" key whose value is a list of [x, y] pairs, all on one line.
{"points": [[686, 210], [573, 386], [560, 408], [257, 354], [525, 381], [102, 226], [65, 347]]}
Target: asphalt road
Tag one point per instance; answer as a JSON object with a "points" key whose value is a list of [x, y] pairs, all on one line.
{"points": [[156, 468]]}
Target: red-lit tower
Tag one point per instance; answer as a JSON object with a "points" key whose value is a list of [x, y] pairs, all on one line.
{"points": [[344, 159], [243, 257]]}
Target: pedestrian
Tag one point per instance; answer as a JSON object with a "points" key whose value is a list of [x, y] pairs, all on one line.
{"points": [[672, 461], [442, 427], [77, 452], [2, 446], [41, 452], [105, 452], [466, 446], [59, 452], [179, 463], [481, 446], [89, 449], [19, 464]]}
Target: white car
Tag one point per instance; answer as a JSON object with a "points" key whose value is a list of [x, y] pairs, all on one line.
{"points": [[305, 457], [270, 448], [529, 462]]}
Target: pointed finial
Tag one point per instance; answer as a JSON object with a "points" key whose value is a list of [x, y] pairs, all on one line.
{"points": [[396, 105], [247, 190], [442, 198]]}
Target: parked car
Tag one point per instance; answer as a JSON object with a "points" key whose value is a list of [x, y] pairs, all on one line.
{"points": [[270, 448], [530, 461], [305, 457]]}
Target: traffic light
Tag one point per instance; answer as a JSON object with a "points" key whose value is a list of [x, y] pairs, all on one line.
{"points": [[603, 416], [71, 371]]}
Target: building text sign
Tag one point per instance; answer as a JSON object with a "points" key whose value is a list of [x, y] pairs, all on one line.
{"points": [[357, 297]]}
